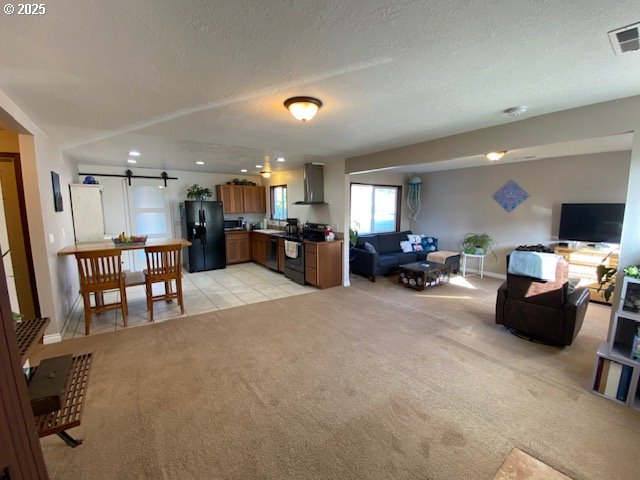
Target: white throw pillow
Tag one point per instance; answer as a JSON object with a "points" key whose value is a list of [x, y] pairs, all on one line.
{"points": [[414, 238], [406, 247]]}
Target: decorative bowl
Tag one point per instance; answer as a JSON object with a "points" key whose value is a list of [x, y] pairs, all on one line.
{"points": [[130, 240]]}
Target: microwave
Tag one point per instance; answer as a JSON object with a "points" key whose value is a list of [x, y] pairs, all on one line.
{"points": [[233, 224]]}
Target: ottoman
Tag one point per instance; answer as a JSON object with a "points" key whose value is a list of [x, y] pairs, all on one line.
{"points": [[452, 259]]}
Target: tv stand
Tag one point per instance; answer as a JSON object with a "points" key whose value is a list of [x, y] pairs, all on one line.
{"points": [[598, 246], [583, 263]]}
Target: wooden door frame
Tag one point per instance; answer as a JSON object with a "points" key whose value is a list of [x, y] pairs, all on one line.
{"points": [[25, 229], [20, 450]]}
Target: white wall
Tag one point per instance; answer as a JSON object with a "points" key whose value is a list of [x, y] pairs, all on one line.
{"points": [[176, 191], [455, 202], [56, 278]]}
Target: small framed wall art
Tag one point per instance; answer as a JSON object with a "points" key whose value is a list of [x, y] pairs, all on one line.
{"points": [[57, 194]]}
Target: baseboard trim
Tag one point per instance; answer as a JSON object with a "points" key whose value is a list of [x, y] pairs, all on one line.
{"points": [[52, 338], [500, 276]]}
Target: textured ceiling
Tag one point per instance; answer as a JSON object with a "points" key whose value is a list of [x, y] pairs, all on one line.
{"points": [[195, 78]]}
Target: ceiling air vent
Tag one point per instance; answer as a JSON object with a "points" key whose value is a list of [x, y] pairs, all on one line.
{"points": [[625, 39]]}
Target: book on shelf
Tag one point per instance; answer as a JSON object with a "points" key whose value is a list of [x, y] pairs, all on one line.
{"points": [[625, 381], [602, 380], [613, 379], [596, 380]]}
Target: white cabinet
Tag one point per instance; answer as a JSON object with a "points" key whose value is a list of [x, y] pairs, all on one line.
{"points": [[88, 216], [617, 370]]}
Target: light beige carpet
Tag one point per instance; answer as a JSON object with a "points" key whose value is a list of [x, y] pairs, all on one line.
{"points": [[374, 381], [520, 466]]}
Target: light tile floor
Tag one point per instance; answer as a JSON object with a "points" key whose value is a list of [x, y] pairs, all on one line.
{"points": [[202, 291]]}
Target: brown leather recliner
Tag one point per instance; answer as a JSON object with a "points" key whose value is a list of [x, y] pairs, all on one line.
{"points": [[542, 310]]}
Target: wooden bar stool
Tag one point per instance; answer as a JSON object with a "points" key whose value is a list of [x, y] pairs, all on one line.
{"points": [[101, 270], [163, 265]]}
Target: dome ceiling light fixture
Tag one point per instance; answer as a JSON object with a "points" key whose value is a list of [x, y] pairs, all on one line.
{"points": [[303, 108], [494, 156], [266, 170]]}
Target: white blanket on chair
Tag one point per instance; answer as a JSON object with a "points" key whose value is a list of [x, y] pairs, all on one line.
{"points": [[534, 264]]}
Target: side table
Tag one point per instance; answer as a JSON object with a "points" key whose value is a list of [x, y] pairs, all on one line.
{"points": [[480, 263]]}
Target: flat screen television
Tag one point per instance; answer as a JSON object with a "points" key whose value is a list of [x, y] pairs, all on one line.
{"points": [[591, 222]]}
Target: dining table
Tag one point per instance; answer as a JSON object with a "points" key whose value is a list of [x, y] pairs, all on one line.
{"points": [[110, 245]]}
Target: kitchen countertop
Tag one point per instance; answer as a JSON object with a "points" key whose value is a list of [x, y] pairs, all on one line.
{"points": [[278, 233], [269, 231]]}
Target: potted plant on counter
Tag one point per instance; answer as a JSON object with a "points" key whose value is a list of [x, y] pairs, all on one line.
{"points": [[196, 192], [478, 244]]}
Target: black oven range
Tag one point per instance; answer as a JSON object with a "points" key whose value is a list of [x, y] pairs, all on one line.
{"points": [[294, 250]]}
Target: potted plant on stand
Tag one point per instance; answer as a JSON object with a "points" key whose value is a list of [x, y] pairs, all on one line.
{"points": [[196, 192], [478, 244]]}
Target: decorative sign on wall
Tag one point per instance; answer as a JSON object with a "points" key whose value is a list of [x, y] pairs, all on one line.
{"points": [[510, 195]]}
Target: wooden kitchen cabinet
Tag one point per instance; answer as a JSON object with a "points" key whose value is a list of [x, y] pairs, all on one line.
{"points": [[231, 198], [281, 255], [242, 198], [323, 263], [254, 199], [238, 247], [259, 247]]}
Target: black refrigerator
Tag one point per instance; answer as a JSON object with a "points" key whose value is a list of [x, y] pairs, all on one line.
{"points": [[203, 226]]}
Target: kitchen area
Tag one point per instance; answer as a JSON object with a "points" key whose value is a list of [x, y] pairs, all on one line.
{"points": [[256, 259], [307, 254], [300, 253]]}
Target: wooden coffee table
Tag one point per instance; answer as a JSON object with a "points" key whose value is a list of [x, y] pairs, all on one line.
{"points": [[421, 275]]}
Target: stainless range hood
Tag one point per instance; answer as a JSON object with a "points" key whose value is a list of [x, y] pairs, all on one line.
{"points": [[313, 185]]}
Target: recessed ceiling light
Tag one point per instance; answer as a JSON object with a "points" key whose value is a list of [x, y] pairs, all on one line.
{"points": [[244, 170], [134, 153], [258, 166], [280, 159], [132, 160], [493, 156], [199, 162]]}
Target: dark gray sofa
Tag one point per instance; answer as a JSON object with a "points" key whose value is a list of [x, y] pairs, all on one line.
{"points": [[388, 255]]}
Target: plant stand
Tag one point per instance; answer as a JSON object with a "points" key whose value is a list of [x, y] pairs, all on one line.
{"points": [[480, 263]]}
